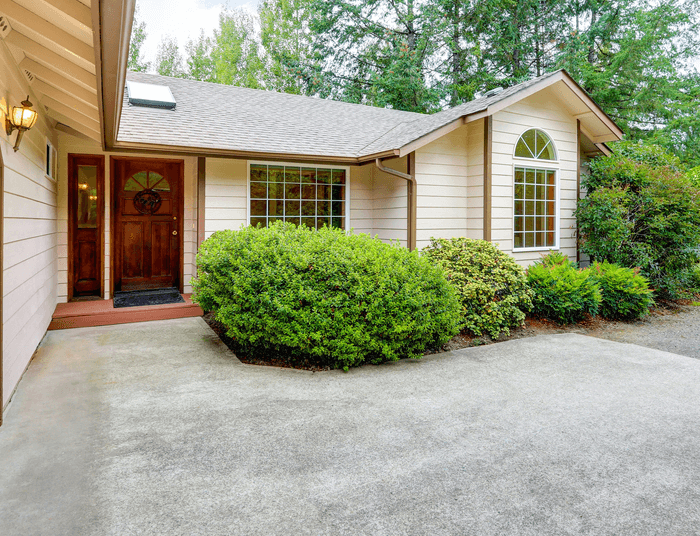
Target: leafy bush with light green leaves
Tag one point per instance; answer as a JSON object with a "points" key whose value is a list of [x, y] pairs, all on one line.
{"points": [[693, 175], [491, 285], [641, 210], [626, 294], [332, 298], [562, 292], [695, 278]]}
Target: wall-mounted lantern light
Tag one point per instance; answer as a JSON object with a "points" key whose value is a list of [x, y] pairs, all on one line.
{"points": [[20, 118]]}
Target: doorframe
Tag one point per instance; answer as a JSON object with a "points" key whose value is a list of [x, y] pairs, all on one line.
{"points": [[113, 216], [72, 157]]}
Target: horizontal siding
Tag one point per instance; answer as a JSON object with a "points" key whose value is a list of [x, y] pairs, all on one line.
{"points": [[543, 111], [361, 199], [390, 202], [226, 195], [30, 233], [475, 180], [441, 173]]}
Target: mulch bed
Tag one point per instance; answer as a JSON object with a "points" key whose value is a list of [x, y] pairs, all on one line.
{"points": [[593, 326]]}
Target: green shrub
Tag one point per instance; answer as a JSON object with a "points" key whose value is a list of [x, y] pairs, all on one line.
{"points": [[335, 299], [562, 292], [626, 294], [695, 278], [642, 211], [693, 175], [555, 258], [491, 285]]}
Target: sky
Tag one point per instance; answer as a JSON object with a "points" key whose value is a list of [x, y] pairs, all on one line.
{"points": [[182, 19]]}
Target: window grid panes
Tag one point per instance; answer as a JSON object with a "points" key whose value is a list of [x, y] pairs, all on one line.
{"points": [[302, 195], [535, 144], [535, 208]]}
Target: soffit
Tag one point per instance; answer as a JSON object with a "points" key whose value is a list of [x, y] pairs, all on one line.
{"points": [[52, 42]]}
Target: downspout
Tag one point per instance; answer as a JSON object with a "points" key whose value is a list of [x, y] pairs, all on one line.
{"points": [[410, 197]]}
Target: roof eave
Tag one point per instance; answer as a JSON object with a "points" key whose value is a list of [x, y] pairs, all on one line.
{"points": [[615, 132], [181, 150], [112, 22]]}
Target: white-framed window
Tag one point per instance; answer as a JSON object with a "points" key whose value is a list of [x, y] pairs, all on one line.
{"points": [[535, 192], [303, 194], [50, 160]]}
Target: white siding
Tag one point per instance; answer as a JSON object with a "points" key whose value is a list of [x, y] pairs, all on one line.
{"points": [[389, 202], [226, 204], [475, 180], [441, 174], [71, 145], [544, 111], [362, 199], [30, 234]]}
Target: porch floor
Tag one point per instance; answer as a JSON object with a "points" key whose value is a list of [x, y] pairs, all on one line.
{"points": [[83, 314]]}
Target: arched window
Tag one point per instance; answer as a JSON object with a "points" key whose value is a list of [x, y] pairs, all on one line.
{"points": [[147, 180], [535, 193], [535, 144]]}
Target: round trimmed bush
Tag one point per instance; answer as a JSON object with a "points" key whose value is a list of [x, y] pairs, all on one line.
{"points": [[336, 299], [562, 292], [625, 294], [491, 285]]}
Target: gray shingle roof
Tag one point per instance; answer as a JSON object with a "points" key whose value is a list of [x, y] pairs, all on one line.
{"points": [[214, 116]]}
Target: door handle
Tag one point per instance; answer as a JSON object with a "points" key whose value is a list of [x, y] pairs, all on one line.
{"points": [[174, 233]]}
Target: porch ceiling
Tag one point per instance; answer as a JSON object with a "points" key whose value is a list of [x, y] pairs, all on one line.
{"points": [[53, 44]]}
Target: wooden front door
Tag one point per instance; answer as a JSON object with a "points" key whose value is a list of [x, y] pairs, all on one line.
{"points": [[85, 220], [147, 223]]}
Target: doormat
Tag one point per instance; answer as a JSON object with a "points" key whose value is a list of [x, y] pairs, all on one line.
{"points": [[138, 298]]}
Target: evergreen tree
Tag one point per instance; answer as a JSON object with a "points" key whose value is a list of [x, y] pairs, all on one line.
{"points": [[638, 61], [378, 52]]}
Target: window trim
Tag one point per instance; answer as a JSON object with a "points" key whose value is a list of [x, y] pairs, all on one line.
{"points": [[526, 159], [53, 164], [300, 164], [557, 188]]}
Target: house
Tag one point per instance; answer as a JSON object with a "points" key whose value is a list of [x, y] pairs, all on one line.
{"points": [[125, 174]]}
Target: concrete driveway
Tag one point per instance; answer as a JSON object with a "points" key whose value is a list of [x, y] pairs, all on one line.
{"points": [[157, 429]]}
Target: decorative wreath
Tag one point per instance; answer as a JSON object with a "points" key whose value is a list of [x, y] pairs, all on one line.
{"points": [[147, 201]]}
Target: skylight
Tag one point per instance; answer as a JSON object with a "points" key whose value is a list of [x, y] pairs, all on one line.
{"points": [[150, 95]]}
